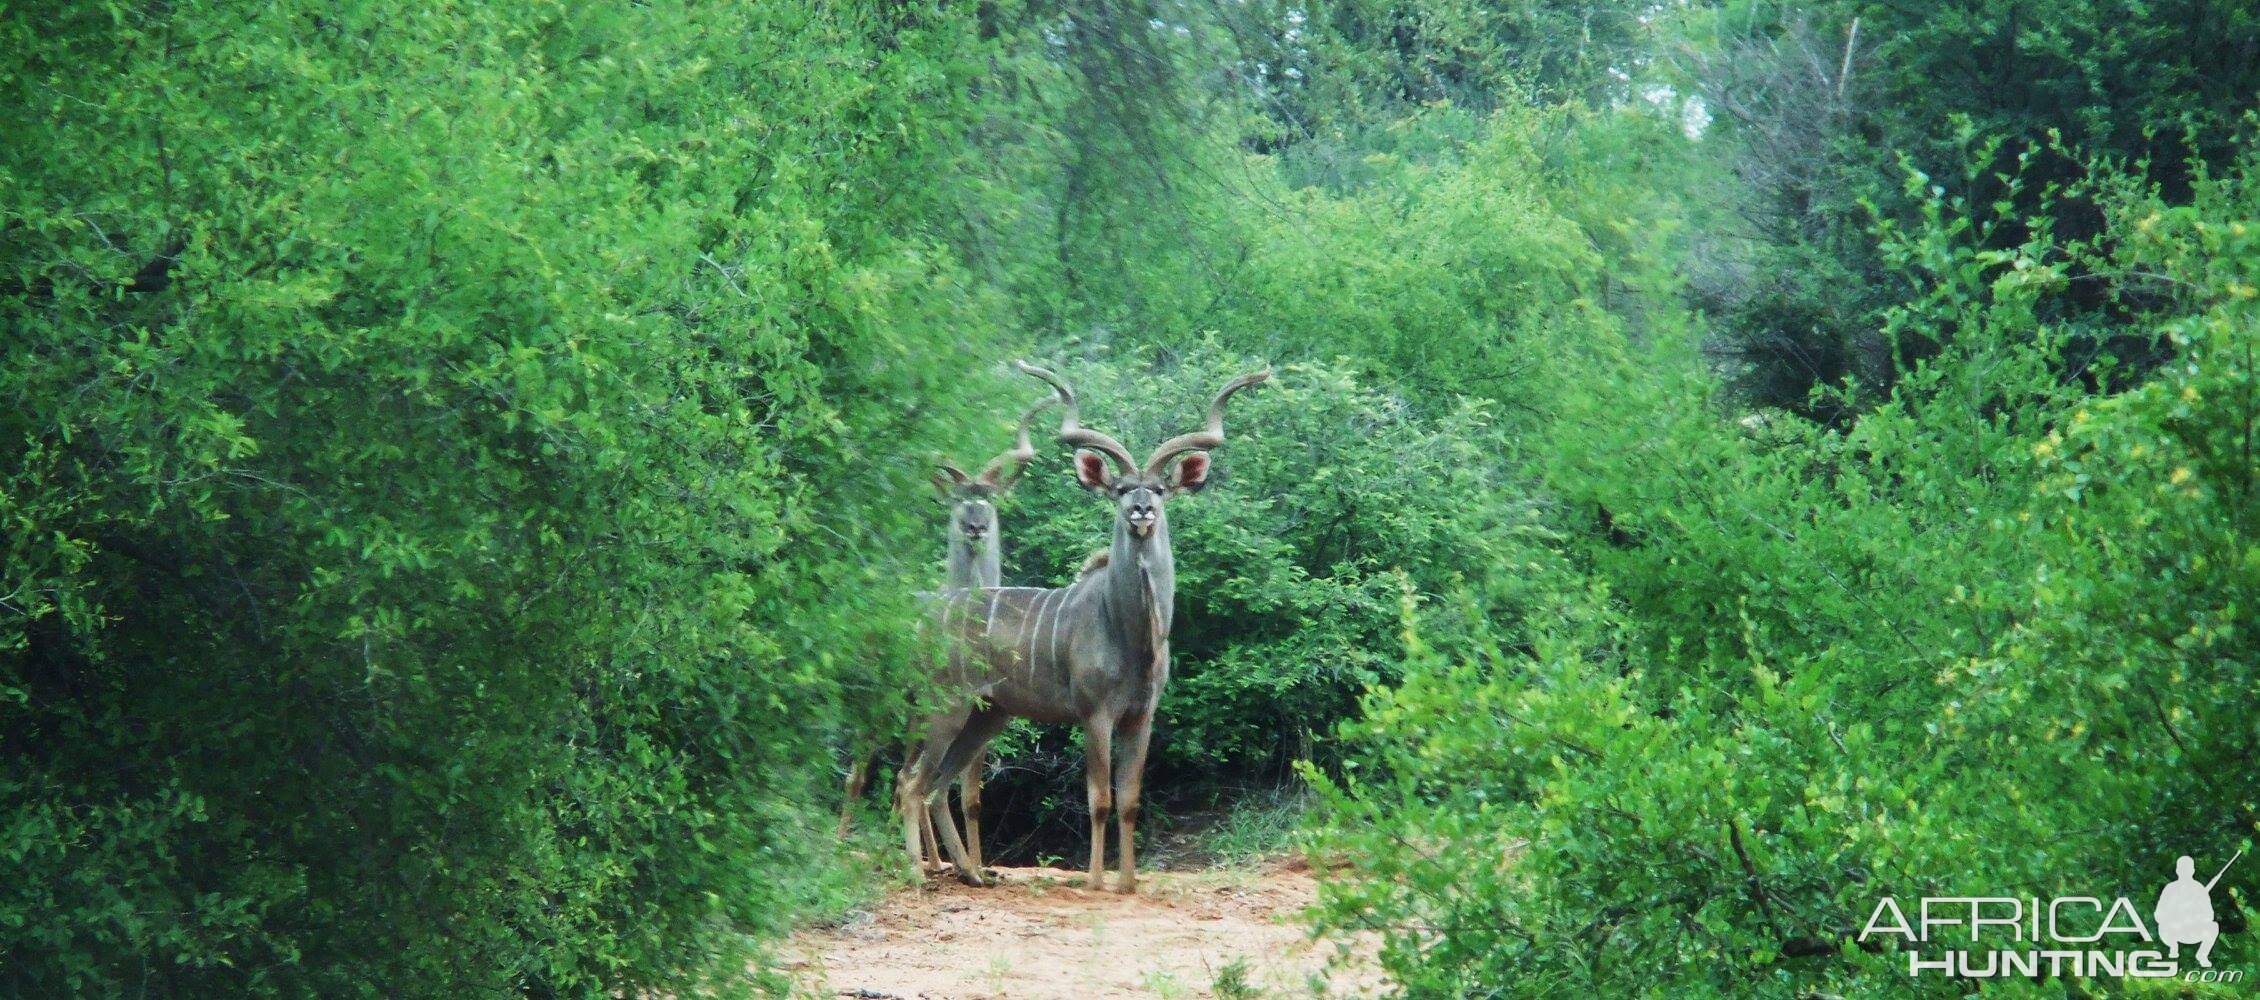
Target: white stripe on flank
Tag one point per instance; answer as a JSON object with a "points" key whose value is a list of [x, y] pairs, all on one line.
{"points": [[1058, 605], [1028, 615], [1055, 625], [992, 626], [1052, 602], [1031, 619]]}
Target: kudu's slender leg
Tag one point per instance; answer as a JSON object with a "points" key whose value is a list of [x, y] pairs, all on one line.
{"points": [[914, 787], [969, 797], [968, 756], [859, 773], [928, 845], [937, 807], [929, 848], [1137, 732], [907, 798], [1098, 781], [970, 800], [954, 737], [858, 779]]}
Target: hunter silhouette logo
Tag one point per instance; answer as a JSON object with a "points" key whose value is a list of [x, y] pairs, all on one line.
{"points": [[2185, 910], [1986, 937]]}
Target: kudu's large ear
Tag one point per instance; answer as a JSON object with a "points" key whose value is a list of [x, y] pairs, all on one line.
{"points": [[1191, 474], [1091, 471], [948, 479]]}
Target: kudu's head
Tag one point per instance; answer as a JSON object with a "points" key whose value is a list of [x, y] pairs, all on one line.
{"points": [[1178, 465], [973, 499]]}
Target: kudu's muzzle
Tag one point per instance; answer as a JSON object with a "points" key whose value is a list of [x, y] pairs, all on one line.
{"points": [[1142, 510]]}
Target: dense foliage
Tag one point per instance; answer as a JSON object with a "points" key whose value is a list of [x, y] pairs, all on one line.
{"points": [[463, 488], [1983, 639], [1819, 103], [419, 425]]}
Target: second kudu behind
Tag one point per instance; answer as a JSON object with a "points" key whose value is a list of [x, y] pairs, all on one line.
{"points": [[1095, 652], [975, 557]]}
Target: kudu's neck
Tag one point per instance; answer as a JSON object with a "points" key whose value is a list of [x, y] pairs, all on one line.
{"points": [[1141, 581], [973, 564]]}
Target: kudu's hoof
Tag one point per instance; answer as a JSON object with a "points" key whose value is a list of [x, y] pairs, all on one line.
{"points": [[949, 870]]}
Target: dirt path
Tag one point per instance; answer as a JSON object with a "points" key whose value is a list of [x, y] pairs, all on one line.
{"points": [[1041, 934]]}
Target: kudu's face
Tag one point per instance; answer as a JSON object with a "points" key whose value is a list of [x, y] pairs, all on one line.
{"points": [[972, 500], [1177, 465], [974, 517], [1138, 496], [972, 503]]}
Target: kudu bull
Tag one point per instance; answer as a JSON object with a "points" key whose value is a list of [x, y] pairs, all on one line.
{"points": [[975, 555], [1095, 652]]}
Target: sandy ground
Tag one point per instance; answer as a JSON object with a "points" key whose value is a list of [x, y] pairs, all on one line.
{"points": [[1041, 934]]}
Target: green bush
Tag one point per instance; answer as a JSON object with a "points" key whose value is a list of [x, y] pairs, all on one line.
{"points": [[429, 433], [1978, 643], [1817, 104]]}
